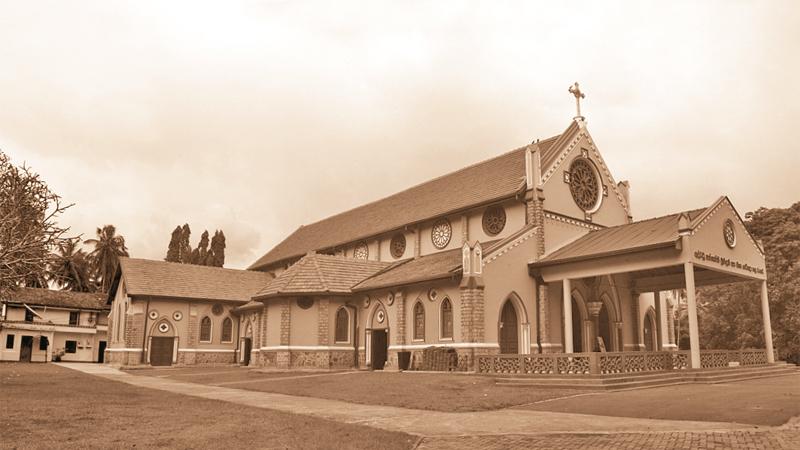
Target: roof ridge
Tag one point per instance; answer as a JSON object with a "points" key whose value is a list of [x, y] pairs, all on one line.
{"points": [[320, 273], [677, 214], [423, 183], [194, 266]]}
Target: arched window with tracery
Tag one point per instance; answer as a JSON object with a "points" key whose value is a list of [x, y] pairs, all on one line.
{"points": [[205, 329], [419, 322], [447, 319], [342, 326], [227, 330]]}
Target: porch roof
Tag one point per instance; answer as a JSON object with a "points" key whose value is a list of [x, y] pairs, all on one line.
{"points": [[654, 251]]}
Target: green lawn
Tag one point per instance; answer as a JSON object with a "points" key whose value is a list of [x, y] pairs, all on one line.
{"points": [[46, 406]]}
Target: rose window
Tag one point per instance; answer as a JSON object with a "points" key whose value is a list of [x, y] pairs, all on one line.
{"points": [[494, 220], [730, 233], [398, 245], [361, 251], [583, 184], [441, 233]]}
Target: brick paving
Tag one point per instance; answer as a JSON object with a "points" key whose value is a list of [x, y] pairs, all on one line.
{"points": [[784, 437]]}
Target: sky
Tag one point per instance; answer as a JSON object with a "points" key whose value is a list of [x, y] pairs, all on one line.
{"points": [[257, 117]]}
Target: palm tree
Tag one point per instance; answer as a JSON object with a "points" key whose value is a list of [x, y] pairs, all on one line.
{"points": [[71, 268], [108, 247]]}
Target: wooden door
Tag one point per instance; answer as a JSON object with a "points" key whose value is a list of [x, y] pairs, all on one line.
{"points": [[101, 352], [247, 348], [26, 349], [509, 334], [161, 351], [379, 349]]}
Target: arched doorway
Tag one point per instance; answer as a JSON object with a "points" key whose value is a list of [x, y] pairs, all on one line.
{"points": [[247, 344], [577, 327], [650, 331], [378, 338], [509, 329], [604, 328]]}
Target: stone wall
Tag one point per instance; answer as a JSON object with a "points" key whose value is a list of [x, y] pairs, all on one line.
{"points": [[306, 359], [201, 358], [123, 358]]}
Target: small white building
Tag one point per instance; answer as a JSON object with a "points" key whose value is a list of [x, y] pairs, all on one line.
{"points": [[38, 325]]}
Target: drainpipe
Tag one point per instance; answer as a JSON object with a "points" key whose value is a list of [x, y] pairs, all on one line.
{"points": [[144, 331], [536, 296]]}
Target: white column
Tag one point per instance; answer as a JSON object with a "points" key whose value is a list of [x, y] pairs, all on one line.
{"points": [[567, 294], [694, 334], [659, 317], [767, 322]]}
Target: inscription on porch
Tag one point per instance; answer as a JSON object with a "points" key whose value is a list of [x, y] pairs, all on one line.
{"points": [[726, 262]]}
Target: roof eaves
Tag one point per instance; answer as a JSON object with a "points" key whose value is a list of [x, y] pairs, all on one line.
{"points": [[415, 280], [545, 262]]}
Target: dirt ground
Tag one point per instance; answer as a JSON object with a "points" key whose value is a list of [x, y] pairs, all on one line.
{"points": [[46, 406], [430, 391], [764, 401]]}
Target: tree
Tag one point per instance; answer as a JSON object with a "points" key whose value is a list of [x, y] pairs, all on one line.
{"points": [[71, 268], [174, 248], [200, 254], [28, 228], [108, 247], [217, 256], [185, 247], [730, 316]]}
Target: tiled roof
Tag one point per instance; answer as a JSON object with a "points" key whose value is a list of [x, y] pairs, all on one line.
{"points": [[429, 267], [620, 239], [320, 274], [63, 299], [251, 305], [168, 279], [484, 182]]}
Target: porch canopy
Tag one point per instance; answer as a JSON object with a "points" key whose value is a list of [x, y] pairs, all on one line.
{"points": [[693, 248]]}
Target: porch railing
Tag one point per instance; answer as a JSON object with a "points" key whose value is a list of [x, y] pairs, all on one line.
{"points": [[613, 362]]}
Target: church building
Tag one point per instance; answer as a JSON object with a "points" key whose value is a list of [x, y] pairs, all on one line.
{"points": [[534, 251]]}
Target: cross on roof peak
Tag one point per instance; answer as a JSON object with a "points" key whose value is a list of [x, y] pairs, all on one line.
{"points": [[576, 91]]}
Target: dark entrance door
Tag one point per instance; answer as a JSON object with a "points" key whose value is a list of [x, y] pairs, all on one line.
{"points": [[101, 352], [380, 348], [161, 351], [247, 348], [577, 328], [26, 349], [509, 336]]}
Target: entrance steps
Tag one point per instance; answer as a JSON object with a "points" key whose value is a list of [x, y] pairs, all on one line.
{"points": [[647, 379]]}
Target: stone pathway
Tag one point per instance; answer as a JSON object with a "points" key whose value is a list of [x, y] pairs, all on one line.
{"points": [[504, 428]]}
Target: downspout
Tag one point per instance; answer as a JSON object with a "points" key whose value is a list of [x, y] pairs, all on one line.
{"points": [[355, 337], [144, 331], [538, 320]]}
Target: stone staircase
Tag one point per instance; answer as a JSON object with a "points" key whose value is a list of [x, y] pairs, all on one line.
{"points": [[648, 379]]}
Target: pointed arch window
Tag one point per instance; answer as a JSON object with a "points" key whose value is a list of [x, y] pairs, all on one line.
{"points": [[342, 326], [205, 329], [227, 330], [419, 322], [446, 319]]}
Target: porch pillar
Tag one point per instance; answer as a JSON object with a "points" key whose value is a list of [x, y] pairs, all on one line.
{"points": [[767, 322], [694, 338], [659, 328], [567, 295]]}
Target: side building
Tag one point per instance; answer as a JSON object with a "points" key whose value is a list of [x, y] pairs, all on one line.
{"points": [[41, 325], [165, 313]]}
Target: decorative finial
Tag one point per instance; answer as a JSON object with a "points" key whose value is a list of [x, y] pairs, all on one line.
{"points": [[576, 91]]}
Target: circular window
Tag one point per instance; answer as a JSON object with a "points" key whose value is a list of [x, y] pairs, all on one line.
{"points": [[390, 299], [153, 315], [381, 316], [361, 251], [729, 232], [494, 220], [366, 301], [398, 245], [305, 302], [433, 294], [177, 315], [163, 327], [584, 184], [441, 233], [216, 309]]}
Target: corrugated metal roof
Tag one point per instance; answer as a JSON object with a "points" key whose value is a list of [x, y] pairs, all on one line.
{"points": [[62, 299], [620, 239]]}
